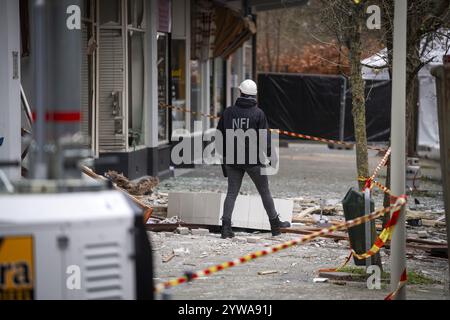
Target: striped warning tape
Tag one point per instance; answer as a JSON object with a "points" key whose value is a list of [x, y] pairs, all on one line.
{"points": [[347, 260], [377, 184], [381, 164], [280, 132], [226, 265], [379, 243], [382, 187], [401, 284], [370, 181], [403, 279], [384, 236]]}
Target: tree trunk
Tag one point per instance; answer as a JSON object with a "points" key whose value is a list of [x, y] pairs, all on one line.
{"points": [[413, 61], [268, 53], [359, 107], [278, 45], [412, 116]]}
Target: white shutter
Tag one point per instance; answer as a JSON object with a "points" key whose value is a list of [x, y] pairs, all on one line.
{"points": [[111, 84]]}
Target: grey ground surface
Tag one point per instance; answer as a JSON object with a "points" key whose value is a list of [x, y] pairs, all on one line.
{"points": [[307, 171], [296, 268]]}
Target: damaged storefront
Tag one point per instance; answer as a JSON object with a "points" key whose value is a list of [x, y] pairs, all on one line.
{"points": [[133, 59]]}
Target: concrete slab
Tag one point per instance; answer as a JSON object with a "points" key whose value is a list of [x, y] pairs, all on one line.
{"points": [[207, 208]]}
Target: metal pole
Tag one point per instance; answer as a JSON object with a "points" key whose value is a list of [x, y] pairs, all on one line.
{"points": [[398, 134], [39, 45]]}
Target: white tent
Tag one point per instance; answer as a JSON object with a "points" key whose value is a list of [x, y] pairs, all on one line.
{"points": [[374, 68]]}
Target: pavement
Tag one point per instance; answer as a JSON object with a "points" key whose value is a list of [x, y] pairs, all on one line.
{"points": [[294, 270], [307, 171]]}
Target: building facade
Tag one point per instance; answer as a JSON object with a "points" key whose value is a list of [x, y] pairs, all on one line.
{"points": [[113, 76]]}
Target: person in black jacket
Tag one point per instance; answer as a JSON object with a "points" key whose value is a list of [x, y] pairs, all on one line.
{"points": [[242, 118]]}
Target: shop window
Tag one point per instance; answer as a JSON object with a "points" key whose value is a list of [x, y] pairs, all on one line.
{"points": [[235, 75], [86, 11], [136, 13], [196, 97], [219, 86], [163, 87], [136, 73], [212, 87], [178, 74], [110, 13], [121, 74], [135, 88], [248, 60]]}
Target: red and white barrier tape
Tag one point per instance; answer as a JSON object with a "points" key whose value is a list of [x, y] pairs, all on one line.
{"points": [[226, 265], [281, 132]]}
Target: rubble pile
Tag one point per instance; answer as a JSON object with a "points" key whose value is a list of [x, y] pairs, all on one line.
{"points": [[145, 186]]}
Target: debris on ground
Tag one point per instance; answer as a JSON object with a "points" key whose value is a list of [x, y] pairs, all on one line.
{"points": [[153, 221], [172, 220], [168, 258], [253, 239], [264, 273], [422, 234], [181, 252], [305, 186], [182, 230], [145, 186]]}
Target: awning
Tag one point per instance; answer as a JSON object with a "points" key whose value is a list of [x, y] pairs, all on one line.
{"points": [[232, 30], [217, 31], [265, 5]]}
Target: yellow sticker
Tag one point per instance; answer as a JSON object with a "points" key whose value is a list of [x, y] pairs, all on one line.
{"points": [[16, 268]]}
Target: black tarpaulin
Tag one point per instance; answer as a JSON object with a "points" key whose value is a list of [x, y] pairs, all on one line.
{"points": [[311, 104], [378, 112]]}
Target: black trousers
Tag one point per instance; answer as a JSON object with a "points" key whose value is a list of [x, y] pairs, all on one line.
{"points": [[235, 176]]}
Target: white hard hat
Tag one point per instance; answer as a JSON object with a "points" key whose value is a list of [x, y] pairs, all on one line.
{"points": [[249, 87]]}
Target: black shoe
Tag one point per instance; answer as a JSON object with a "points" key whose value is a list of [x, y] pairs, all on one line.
{"points": [[276, 225], [227, 232]]}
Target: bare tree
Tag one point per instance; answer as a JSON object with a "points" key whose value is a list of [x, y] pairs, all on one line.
{"points": [[426, 21], [346, 20]]}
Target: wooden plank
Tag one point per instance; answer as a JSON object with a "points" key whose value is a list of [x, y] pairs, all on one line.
{"points": [[335, 236], [163, 227], [430, 242]]}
